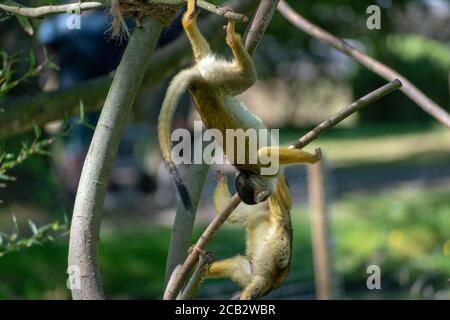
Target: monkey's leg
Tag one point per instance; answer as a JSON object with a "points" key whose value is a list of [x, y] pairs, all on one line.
{"points": [[236, 268], [290, 156], [200, 46], [241, 75], [222, 197], [258, 287]]}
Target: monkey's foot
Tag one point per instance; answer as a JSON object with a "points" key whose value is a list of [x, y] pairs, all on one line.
{"points": [[220, 177], [191, 13], [318, 154], [232, 36]]}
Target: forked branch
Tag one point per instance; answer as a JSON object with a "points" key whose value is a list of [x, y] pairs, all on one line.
{"points": [[39, 12]]}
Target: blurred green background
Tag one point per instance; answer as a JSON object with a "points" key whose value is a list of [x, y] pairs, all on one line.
{"points": [[388, 175]]}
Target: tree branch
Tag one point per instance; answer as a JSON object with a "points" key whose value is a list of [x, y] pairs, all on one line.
{"points": [[175, 285], [259, 24], [346, 112], [39, 12], [183, 224], [377, 67], [84, 235], [189, 292]]}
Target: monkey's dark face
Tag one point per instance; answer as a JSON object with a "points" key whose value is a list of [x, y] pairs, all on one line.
{"points": [[251, 188]]}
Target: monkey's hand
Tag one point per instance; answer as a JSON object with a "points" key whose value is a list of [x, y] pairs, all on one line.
{"points": [[220, 177], [232, 36], [318, 154], [191, 13]]}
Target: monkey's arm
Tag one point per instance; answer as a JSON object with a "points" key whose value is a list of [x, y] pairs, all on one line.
{"points": [[222, 197], [200, 46], [289, 156]]}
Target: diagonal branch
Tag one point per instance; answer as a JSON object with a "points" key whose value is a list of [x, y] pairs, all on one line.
{"points": [[377, 67], [346, 112], [259, 24], [175, 284]]}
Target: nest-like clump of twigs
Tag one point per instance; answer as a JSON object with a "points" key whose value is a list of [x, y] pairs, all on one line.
{"points": [[137, 9]]}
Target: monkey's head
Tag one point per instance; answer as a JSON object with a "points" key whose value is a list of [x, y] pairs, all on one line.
{"points": [[252, 188]]}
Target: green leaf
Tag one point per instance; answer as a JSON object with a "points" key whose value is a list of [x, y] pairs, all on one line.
{"points": [[6, 177], [31, 60], [82, 110], [26, 25], [4, 18], [33, 227], [37, 132], [15, 224]]}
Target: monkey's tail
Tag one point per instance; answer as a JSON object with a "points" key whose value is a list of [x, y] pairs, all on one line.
{"points": [[176, 89]]}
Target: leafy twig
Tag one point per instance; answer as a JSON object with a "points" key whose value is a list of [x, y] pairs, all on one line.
{"points": [[40, 235], [39, 12]]}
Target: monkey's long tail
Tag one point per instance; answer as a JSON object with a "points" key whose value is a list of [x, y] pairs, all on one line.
{"points": [[176, 89]]}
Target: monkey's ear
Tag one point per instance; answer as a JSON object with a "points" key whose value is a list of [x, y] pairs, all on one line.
{"points": [[261, 196]]}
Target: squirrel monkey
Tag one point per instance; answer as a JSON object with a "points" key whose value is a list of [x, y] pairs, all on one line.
{"points": [[213, 83]]}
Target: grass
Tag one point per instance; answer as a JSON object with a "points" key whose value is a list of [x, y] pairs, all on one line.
{"points": [[404, 231]]}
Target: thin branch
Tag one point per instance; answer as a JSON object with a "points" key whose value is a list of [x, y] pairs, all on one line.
{"points": [[221, 11], [346, 112], [377, 67], [197, 277], [39, 12], [259, 24], [174, 286], [43, 11], [84, 234]]}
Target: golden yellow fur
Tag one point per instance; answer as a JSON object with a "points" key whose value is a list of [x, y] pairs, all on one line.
{"points": [[213, 83]]}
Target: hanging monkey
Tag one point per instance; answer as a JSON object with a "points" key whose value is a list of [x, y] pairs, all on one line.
{"points": [[213, 83]]}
